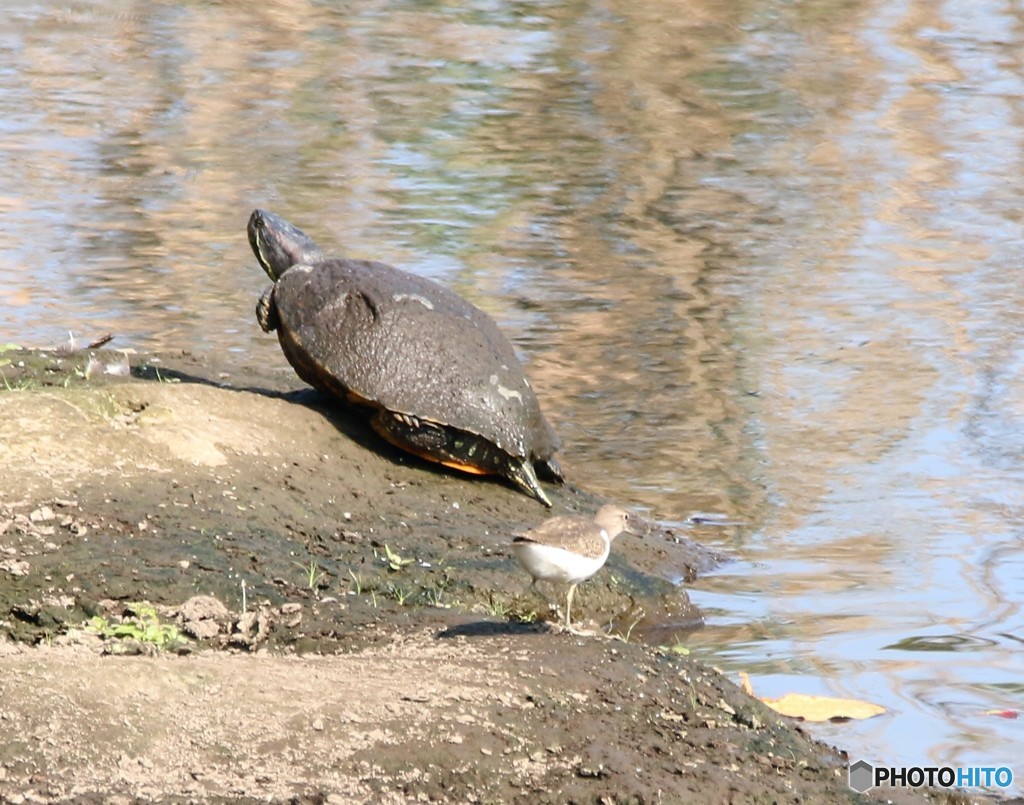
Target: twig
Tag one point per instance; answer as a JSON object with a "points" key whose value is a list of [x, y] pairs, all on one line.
{"points": [[99, 342]]}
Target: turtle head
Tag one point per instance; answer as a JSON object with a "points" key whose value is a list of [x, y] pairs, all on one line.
{"points": [[278, 245]]}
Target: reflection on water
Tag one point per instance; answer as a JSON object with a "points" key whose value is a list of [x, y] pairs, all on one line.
{"points": [[763, 259]]}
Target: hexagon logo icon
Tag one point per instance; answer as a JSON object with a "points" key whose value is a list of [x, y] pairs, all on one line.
{"points": [[862, 776]]}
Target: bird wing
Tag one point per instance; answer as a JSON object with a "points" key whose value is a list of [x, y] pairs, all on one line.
{"points": [[558, 531]]}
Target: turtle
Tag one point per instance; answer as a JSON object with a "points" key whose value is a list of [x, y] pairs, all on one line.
{"points": [[433, 372]]}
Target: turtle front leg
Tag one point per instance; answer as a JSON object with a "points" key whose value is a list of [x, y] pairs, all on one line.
{"points": [[266, 311]]}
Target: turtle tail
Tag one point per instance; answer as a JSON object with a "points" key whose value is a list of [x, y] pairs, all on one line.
{"points": [[549, 469]]}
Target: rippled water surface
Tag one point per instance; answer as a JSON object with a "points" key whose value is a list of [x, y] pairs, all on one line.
{"points": [[763, 259]]}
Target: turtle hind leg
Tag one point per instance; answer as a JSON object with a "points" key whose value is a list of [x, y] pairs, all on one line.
{"points": [[522, 475], [457, 449], [423, 439]]}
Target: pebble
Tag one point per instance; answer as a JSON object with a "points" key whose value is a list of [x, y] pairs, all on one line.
{"points": [[15, 567], [42, 514]]}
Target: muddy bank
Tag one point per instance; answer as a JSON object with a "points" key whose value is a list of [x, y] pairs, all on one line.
{"points": [[351, 621], [191, 479]]}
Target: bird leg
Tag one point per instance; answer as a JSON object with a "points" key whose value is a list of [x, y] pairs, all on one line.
{"points": [[568, 622], [568, 607], [538, 591]]}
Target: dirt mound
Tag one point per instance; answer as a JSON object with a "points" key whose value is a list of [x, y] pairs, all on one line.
{"points": [[350, 623]]}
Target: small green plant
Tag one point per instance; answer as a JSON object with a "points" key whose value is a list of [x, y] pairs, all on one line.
{"points": [[161, 379], [395, 562], [357, 580], [496, 607], [676, 648], [143, 626], [629, 631], [433, 595], [21, 385], [313, 573], [514, 609], [400, 594]]}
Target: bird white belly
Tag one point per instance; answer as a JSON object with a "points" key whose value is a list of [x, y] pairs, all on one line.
{"points": [[548, 563]]}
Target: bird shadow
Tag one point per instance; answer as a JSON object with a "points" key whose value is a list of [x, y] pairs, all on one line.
{"points": [[492, 629]]}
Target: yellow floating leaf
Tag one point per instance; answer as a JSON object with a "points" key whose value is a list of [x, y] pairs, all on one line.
{"points": [[822, 708], [814, 708]]}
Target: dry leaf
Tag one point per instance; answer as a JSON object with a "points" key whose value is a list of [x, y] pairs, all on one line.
{"points": [[814, 708], [822, 708]]}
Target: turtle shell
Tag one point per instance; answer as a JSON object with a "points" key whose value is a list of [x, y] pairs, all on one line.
{"points": [[389, 339]]}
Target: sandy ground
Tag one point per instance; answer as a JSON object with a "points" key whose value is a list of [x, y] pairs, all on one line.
{"points": [[314, 617]]}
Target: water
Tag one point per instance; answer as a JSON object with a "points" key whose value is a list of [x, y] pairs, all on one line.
{"points": [[762, 259]]}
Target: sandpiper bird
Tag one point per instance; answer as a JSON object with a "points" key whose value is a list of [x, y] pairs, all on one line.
{"points": [[569, 549]]}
